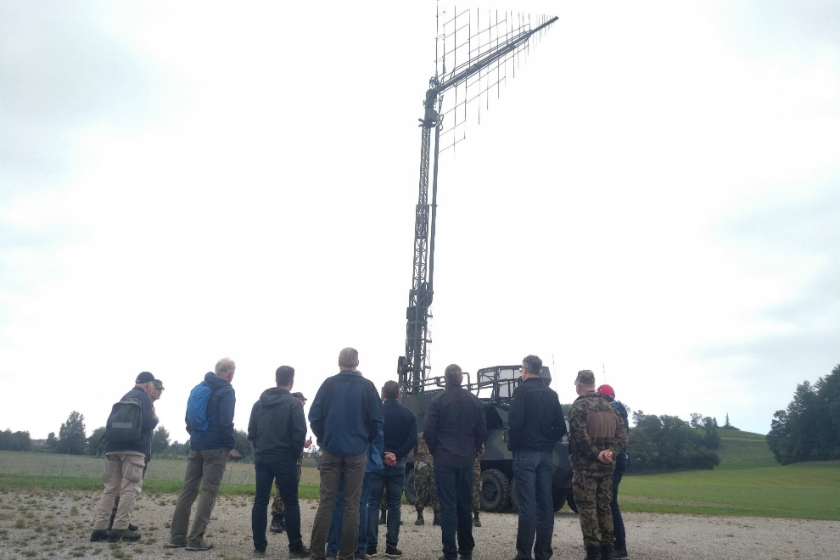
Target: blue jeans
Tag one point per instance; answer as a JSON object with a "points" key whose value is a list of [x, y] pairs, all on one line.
{"points": [[285, 472], [532, 472], [391, 480], [618, 523], [334, 538], [454, 487]]}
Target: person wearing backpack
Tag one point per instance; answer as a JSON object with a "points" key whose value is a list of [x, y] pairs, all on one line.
{"points": [[210, 425], [127, 437]]}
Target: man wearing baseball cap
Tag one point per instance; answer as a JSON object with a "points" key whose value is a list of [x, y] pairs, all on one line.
{"points": [[596, 436], [621, 462], [126, 461]]}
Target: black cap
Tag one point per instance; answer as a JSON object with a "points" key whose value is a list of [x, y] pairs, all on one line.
{"points": [[144, 377]]}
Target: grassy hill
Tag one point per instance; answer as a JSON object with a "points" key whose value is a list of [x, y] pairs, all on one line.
{"points": [[748, 482]]}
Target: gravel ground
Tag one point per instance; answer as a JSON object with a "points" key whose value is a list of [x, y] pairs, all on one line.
{"points": [[58, 526]]}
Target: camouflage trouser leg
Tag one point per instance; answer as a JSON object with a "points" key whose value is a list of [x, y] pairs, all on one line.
{"points": [[476, 489], [277, 507], [424, 482], [593, 495]]}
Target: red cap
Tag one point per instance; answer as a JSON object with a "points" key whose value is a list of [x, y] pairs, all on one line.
{"points": [[606, 390]]}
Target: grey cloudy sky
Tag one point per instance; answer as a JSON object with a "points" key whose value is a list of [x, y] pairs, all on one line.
{"points": [[655, 194]]}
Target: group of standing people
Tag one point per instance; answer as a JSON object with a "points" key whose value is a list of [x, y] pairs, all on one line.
{"points": [[364, 443]]}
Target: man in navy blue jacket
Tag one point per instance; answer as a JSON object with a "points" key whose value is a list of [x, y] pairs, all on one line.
{"points": [[346, 416], [207, 461], [126, 461], [400, 439]]}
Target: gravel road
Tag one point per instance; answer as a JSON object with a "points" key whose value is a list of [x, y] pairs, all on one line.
{"points": [[44, 526]]}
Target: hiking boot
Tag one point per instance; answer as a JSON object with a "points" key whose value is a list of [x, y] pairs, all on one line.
{"points": [[302, 552], [97, 535], [259, 553], [203, 544], [593, 553], [420, 520], [125, 535], [383, 519], [130, 526], [476, 520], [278, 523], [393, 552], [175, 544], [436, 519], [606, 552], [620, 554]]}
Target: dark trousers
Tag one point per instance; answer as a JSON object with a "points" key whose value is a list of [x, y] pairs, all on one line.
{"points": [[532, 472], [333, 467], [391, 480], [618, 523], [334, 537], [454, 486], [285, 473]]}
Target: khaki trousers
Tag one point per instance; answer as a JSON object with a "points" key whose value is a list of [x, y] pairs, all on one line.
{"points": [[333, 467], [123, 481], [205, 469]]}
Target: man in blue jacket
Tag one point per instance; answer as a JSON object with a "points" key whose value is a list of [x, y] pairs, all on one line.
{"points": [[206, 462], [346, 416], [126, 461]]}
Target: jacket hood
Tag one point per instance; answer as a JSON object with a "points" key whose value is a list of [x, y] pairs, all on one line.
{"points": [[275, 396], [214, 382]]}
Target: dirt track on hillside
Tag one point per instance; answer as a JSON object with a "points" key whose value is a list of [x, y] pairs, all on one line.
{"points": [[44, 526]]}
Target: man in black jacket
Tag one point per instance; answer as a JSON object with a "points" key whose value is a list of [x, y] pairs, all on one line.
{"points": [[454, 430], [536, 425], [278, 430], [126, 461]]}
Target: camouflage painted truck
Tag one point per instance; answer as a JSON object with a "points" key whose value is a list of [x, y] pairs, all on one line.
{"points": [[494, 387]]}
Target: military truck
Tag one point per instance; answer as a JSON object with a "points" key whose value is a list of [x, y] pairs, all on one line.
{"points": [[494, 387]]}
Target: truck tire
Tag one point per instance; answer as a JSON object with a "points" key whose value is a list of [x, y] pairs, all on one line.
{"points": [[495, 491]]}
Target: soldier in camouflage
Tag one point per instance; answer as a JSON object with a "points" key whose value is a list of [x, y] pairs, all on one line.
{"points": [[597, 436], [424, 481], [476, 490], [278, 510]]}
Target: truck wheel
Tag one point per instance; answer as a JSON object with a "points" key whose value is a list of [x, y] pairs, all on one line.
{"points": [[570, 499], [495, 490], [409, 488]]}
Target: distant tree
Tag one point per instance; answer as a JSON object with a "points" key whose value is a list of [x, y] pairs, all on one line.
{"points": [[244, 445], [696, 420], [667, 442], [71, 435], [712, 438], [15, 441], [160, 440], [809, 429], [52, 441], [94, 442], [727, 425], [176, 448]]}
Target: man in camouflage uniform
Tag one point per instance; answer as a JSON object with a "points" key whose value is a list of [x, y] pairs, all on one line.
{"points": [[476, 491], [597, 436], [278, 511], [424, 481]]}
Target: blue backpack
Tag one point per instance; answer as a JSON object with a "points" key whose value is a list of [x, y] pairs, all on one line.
{"points": [[197, 409]]}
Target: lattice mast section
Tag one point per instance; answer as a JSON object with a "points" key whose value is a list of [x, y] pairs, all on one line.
{"points": [[474, 51]]}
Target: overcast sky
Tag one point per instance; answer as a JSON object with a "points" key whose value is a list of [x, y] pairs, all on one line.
{"points": [[655, 197]]}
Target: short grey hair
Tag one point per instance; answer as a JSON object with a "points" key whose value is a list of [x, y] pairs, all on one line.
{"points": [[453, 374], [225, 366], [349, 358], [533, 364]]}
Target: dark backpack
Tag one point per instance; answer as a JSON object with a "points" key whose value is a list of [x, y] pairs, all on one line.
{"points": [[125, 423], [197, 410]]}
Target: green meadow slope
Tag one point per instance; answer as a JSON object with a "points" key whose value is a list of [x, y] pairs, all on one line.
{"points": [[747, 482]]}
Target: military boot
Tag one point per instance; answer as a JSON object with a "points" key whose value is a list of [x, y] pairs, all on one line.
{"points": [[436, 520], [130, 526], [476, 520], [278, 523], [98, 535], [420, 520], [593, 553], [606, 552], [383, 520]]}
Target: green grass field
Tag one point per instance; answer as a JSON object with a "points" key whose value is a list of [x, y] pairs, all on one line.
{"points": [[748, 482]]}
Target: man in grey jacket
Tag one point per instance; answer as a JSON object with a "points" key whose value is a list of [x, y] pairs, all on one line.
{"points": [[278, 430]]}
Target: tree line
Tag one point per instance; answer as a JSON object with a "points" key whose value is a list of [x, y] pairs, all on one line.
{"points": [[809, 429]]}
